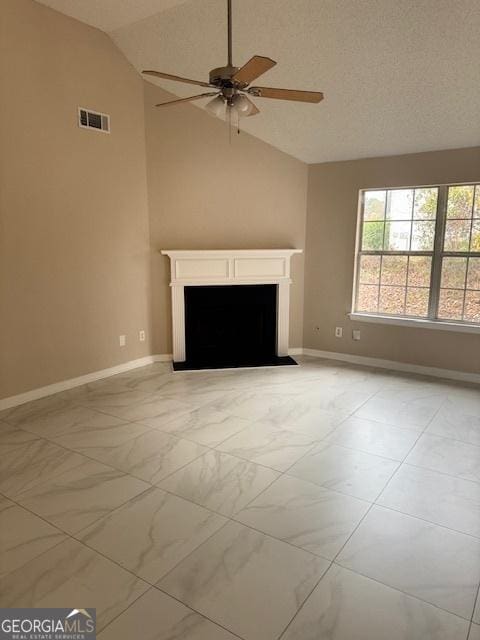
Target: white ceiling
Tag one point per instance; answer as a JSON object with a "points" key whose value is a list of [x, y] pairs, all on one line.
{"points": [[399, 76]]}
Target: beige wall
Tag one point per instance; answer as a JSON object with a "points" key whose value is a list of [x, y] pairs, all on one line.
{"points": [[331, 226], [207, 193], [74, 271]]}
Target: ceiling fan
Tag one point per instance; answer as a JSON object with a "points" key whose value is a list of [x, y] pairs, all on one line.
{"points": [[232, 85]]}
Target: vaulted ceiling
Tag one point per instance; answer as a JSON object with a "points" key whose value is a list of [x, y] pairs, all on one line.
{"points": [[399, 76], [108, 15]]}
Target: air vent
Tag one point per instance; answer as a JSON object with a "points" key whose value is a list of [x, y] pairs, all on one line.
{"points": [[88, 119]]}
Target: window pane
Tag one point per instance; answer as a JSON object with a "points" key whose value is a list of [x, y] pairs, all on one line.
{"points": [[475, 239], [453, 273], [417, 302], [423, 235], [473, 279], [457, 235], [460, 202], [369, 270], [397, 236], [397, 226], [450, 306], [472, 306], [400, 204], [419, 271], [374, 205], [367, 298], [372, 239], [425, 205], [394, 270], [392, 300]]}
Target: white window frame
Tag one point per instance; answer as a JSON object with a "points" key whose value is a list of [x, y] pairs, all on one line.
{"points": [[437, 254]]}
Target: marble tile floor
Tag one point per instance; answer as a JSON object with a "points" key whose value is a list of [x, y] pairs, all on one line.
{"points": [[321, 502]]}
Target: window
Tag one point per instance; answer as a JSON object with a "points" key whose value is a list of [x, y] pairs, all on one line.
{"points": [[419, 253]]}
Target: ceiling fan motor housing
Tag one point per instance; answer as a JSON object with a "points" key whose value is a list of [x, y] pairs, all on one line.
{"points": [[222, 76]]}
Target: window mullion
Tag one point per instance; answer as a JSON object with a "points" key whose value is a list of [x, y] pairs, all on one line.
{"points": [[436, 276]]}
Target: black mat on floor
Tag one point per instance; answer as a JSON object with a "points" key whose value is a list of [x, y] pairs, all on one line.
{"points": [[269, 362]]}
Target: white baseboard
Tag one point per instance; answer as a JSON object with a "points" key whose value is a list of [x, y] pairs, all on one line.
{"points": [[295, 351], [395, 366], [162, 357], [64, 385]]}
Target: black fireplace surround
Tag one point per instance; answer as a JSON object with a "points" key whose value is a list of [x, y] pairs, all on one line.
{"points": [[231, 326]]}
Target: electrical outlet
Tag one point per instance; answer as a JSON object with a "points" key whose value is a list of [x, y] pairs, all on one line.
{"points": [[122, 340], [141, 335], [356, 334], [339, 332]]}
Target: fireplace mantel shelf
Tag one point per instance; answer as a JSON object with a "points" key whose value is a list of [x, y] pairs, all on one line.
{"points": [[229, 267], [186, 253]]}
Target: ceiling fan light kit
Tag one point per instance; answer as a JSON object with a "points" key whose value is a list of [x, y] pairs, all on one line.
{"points": [[239, 105], [242, 105], [216, 107], [232, 88]]}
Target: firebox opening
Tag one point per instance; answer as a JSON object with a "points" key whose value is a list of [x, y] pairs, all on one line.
{"points": [[231, 326]]}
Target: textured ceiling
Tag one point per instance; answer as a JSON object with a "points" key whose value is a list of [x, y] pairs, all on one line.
{"points": [[110, 14], [399, 76]]}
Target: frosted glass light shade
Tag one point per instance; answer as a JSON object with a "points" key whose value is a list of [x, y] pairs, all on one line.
{"points": [[216, 107], [242, 105]]}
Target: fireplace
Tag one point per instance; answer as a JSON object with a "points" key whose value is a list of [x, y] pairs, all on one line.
{"points": [[230, 326], [230, 308]]}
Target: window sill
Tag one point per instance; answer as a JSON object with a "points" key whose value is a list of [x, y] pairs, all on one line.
{"points": [[414, 322]]}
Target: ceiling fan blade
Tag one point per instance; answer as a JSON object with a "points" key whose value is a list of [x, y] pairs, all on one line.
{"points": [[254, 68], [286, 94], [168, 76], [189, 99]]}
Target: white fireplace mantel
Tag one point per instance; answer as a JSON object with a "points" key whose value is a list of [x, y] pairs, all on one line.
{"points": [[229, 267]]}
